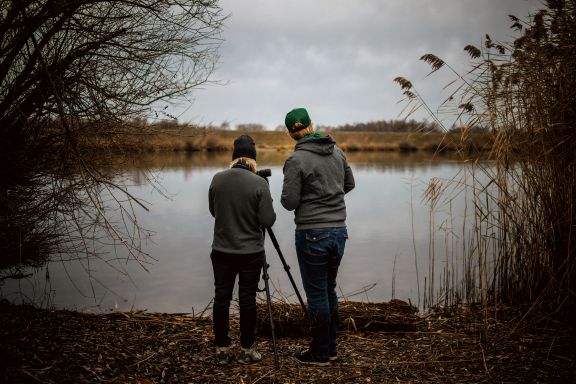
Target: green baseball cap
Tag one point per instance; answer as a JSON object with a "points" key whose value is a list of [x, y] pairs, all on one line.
{"points": [[297, 119]]}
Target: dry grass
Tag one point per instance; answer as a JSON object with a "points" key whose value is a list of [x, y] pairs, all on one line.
{"points": [[70, 347], [190, 139]]}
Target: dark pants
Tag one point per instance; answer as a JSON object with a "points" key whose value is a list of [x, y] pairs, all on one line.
{"points": [[226, 267], [319, 254]]}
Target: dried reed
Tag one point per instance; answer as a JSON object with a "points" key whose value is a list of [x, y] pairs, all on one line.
{"points": [[519, 245]]}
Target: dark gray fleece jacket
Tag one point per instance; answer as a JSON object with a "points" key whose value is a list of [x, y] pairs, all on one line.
{"points": [[241, 204], [316, 178]]}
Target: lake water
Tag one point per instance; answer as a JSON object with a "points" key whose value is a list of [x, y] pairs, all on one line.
{"points": [[388, 225]]}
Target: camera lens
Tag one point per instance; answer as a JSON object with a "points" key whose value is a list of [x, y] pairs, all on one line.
{"points": [[264, 173]]}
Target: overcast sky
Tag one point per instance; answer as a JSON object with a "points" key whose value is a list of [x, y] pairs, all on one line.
{"points": [[338, 58]]}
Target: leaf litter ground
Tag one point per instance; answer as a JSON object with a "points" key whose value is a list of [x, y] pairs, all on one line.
{"points": [[378, 343]]}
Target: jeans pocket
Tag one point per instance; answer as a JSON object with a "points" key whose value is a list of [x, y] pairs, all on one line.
{"points": [[315, 244], [316, 236]]}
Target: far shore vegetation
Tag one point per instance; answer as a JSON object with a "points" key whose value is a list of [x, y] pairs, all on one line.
{"points": [[403, 136]]}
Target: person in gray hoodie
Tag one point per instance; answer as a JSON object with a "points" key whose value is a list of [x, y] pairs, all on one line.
{"points": [[241, 204], [316, 178]]}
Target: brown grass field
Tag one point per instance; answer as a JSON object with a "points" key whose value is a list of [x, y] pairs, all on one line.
{"points": [[191, 140]]}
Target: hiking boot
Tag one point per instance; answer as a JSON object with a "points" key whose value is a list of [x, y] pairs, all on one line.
{"points": [[249, 356], [223, 356], [307, 358]]}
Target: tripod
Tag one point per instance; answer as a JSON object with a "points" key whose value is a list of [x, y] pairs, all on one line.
{"points": [[287, 269], [266, 277]]}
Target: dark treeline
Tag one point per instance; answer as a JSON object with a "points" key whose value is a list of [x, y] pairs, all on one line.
{"points": [[372, 126], [387, 126], [391, 125]]}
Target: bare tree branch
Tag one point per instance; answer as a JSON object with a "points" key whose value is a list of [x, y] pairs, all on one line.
{"points": [[72, 69]]}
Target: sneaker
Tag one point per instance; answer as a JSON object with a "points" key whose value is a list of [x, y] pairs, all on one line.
{"points": [[249, 356], [307, 358], [223, 356]]}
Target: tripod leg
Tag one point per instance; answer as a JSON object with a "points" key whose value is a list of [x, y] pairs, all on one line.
{"points": [[287, 269], [265, 277]]}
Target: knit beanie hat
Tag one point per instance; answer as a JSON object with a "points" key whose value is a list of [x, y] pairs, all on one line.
{"points": [[244, 146], [297, 119]]}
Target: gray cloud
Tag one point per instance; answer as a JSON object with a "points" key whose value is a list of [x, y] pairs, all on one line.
{"points": [[338, 57]]}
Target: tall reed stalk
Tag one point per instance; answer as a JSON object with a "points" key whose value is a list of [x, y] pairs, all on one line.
{"points": [[522, 239]]}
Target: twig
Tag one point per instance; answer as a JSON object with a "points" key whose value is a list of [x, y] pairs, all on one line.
{"points": [[143, 360], [34, 377]]}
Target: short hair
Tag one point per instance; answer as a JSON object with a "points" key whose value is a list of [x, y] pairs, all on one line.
{"points": [[251, 163], [303, 132]]}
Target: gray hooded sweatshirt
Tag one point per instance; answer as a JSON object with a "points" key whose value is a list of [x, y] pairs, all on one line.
{"points": [[316, 178]]}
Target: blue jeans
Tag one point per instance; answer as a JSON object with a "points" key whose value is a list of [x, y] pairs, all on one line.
{"points": [[226, 268], [319, 254]]}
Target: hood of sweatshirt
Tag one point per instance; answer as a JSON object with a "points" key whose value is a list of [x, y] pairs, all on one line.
{"points": [[316, 143]]}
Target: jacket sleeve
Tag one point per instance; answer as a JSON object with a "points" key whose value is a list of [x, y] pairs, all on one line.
{"points": [[292, 186], [349, 183], [266, 214], [211, 200]]}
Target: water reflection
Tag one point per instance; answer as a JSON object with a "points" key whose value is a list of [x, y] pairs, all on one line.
{"points": [[266, 157], [388, 226]]}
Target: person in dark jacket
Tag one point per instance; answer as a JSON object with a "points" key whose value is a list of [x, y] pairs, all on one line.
{"points": [[316, 178], [241, 204]]}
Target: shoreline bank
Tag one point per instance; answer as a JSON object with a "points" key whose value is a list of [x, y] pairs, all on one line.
{"points": [[39, 345]]}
